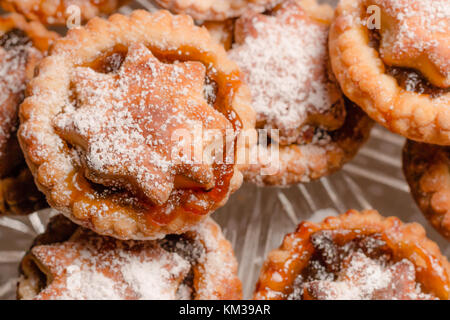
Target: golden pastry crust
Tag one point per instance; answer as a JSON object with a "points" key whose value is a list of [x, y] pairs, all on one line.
{"points": [[197, 265], [318, 130], [57, 12], [404, 242], [304, 163], [373, 66], [73, 187], [213, 10], [426, 169]]}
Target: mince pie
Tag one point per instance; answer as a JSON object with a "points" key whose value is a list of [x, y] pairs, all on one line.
{"points": [[213, 10], [22, 46], [356, 256], [427, 170], [59, 12], [72, 263], [283, 54], [392, 58], [131, 127]]}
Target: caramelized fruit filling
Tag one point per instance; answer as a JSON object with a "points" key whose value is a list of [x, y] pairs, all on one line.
{"points": [[345, 265], [114, 162], [408, 79]]}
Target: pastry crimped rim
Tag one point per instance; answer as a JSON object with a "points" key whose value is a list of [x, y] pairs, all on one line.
{"points": [[57, 13], [426, 169], [304, 163], [409, 241], [361, 74], [42, 146], [209, 283], [213, 10]]}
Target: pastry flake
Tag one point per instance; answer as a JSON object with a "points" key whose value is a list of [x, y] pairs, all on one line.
{"points": [[78, 264], [58, 12], [356, 256], [110, 155], [213, 10], [426, 169], [284, 57], [398, 73]]}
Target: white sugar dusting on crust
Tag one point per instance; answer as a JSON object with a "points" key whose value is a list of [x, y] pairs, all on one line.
{"points": [[92, 267], [360, 270], [423, 26], [125, 122], [284, 62]]}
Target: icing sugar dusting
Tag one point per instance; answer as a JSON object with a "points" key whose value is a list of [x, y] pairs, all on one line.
{"points": [[108, 269], [423, 25], [126, 121], [285, 69], [361, 269], [94, 267]]}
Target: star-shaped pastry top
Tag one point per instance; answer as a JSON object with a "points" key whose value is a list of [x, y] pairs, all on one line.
{"points": [[284, 60], [361, 277], [128, 125], [416, 34], [92, 267]]}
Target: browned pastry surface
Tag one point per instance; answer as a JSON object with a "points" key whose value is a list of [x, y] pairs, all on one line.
{"points": [[398, 71], [102, 125], [300, 108], [69, 262], [214, 10], [57, 12], [427, 170], [356, 255]]}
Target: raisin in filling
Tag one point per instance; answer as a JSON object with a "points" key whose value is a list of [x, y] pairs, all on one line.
{"points": [[331, 251], [408, 79], [13, 39], [192, 251]]}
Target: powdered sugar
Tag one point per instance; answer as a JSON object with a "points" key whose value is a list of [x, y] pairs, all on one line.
{"points": [[125, 122], [104, 269], [284, 60], [90, 266], [423, 26], [361, 269]]}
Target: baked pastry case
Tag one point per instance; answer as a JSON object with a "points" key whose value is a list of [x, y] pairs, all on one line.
{"points": [[256, 219]]}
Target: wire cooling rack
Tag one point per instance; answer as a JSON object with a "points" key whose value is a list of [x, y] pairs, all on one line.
{"points": [[255, 220]]}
